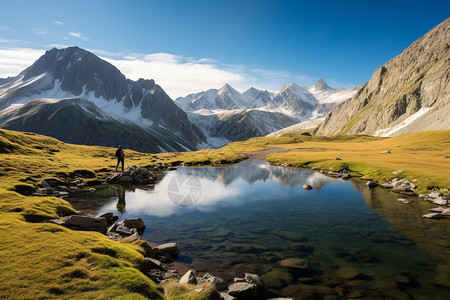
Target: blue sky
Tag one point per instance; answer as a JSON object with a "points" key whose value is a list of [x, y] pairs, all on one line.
{"points": [[188, 46]]}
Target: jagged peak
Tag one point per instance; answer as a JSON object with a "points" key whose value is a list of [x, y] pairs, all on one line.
{"points": [[293, 87], [321, 85], [227, 89]]}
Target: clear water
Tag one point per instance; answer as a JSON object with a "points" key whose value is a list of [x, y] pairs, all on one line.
{"points": [[250, 216]]}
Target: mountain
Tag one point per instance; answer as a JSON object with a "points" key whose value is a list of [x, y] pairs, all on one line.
{"points": [[78, 74], [239, 124], [226, 115], [410, 93]]}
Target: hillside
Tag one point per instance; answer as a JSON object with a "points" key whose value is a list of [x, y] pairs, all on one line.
{"points": [[410, 93]]}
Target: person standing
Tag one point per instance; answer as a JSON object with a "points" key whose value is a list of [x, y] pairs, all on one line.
{"points": [[120, 157]]}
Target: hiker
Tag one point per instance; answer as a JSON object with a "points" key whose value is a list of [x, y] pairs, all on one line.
{"points": [[120, 157]]}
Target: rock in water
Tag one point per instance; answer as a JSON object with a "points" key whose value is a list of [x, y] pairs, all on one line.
{"points": [[254, 279], [295, 263], [243, 290], [432, 216], [349, 273], [404, 201], [133, 223], [371, 184], [307, 187]]}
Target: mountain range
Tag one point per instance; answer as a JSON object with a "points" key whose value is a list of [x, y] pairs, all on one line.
{"points": [[226, 115], [75, 96], [410, 93]]}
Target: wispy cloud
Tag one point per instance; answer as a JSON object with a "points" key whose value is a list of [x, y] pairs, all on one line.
{"points": [[39, 31], [8, 29], [79, 35], [58, 23]]}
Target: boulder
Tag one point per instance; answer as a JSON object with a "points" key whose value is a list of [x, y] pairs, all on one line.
{"points": [[435, 195], [133, 223], [437, 209], [166, 252], [151, 263], [440, 201], [24, 189], [254, 279], [387, 185], [446, 212], [188, 278], [87, 222], [45, 184], [243, 290], [295, 263], [307, 187], [126, 178], [371, 184], [217, 282], [124, 230], [385, 152], [109, 216], [432, 216]]}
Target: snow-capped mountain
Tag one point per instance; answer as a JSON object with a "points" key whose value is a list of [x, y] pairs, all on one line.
{"points": [[77, 74], [226, 115]]}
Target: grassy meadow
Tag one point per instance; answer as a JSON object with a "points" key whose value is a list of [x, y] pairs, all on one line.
{"points": [[43, 261]]}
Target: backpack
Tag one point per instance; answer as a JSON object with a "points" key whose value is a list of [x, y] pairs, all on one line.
{"points": [[118, 153]]}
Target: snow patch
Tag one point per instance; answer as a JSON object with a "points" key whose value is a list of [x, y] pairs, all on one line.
{"points": [[391, 130]]}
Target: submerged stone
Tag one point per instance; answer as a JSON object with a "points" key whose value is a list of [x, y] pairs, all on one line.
{"points": [[349, 273], [277, 278], [295, 263]]}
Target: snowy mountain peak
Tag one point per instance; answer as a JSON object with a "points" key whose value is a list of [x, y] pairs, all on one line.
{"points": [[320, 85], [294, 88], [227, 89]]}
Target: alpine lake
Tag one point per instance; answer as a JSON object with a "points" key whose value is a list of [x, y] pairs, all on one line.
{"points": [[339, 240]]}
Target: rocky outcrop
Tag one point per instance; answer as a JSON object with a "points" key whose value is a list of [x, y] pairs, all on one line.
{"points": [[410, 93], [133, 175]]}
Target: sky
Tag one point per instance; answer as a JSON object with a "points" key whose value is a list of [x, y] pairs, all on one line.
{"points": [[191, 46]]}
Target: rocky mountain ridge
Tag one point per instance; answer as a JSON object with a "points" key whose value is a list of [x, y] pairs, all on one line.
{"points": [[410, 93], [226, 115], [78, 74]]}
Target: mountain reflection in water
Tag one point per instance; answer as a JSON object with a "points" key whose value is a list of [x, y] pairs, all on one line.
{"points": [[216, 186], [251, 216]]}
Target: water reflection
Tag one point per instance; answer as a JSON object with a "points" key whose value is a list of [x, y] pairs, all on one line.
{"points": [[251, 216], [207, 189]]}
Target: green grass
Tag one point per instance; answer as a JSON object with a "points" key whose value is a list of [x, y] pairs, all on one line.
{"points": [[41, 260]]}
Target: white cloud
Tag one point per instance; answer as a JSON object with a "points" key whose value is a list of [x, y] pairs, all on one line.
{"points": [[58, 23], [15, 60], [79, 35], [177, 75]]}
